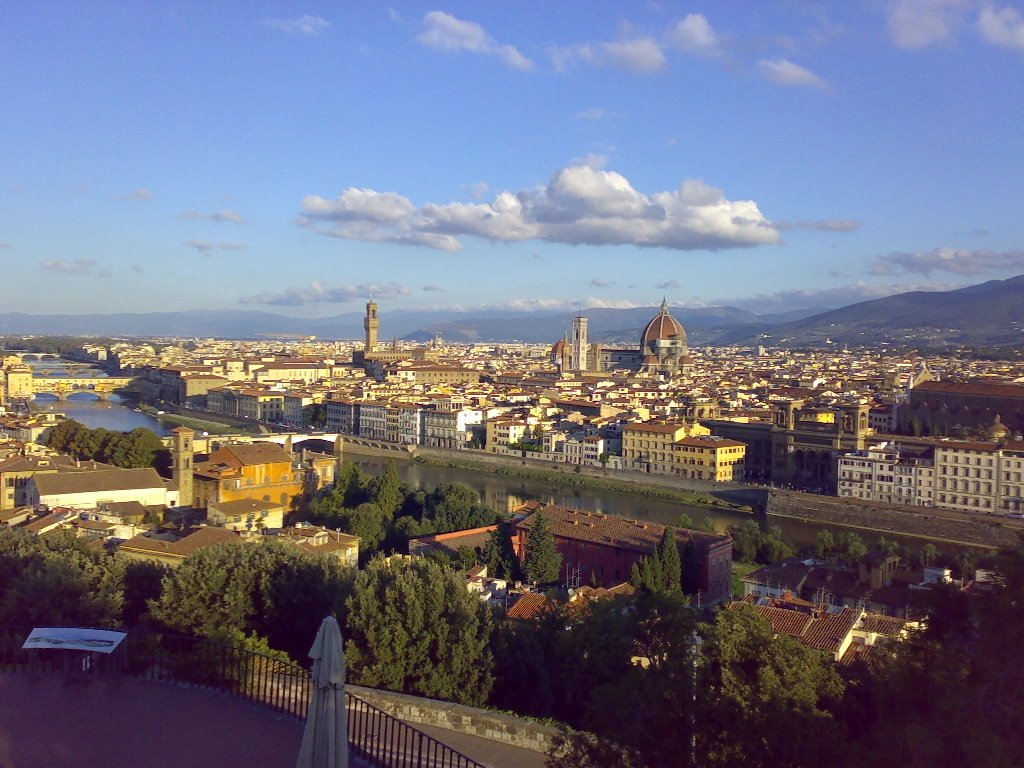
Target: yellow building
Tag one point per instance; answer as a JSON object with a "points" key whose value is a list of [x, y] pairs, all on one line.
{"points": [[504, 430], [247, 515], [262, 471], [706, 457], [651, 447]]}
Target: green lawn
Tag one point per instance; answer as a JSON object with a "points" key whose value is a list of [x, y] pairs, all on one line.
{"points": [[739, 570]]}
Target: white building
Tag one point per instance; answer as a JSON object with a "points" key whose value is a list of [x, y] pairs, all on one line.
{"points": [[883, 473]]}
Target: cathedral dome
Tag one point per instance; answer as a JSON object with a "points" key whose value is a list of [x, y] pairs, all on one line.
{"points": [[559, 347], [663, 327]]}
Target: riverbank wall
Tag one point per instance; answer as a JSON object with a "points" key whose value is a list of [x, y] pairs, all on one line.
{"points": [[976, 530]]}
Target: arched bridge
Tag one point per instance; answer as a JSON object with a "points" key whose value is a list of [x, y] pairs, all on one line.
{"points": [[101, 386]]}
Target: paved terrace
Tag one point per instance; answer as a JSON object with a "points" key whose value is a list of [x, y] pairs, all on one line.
{"points": [[113, 721]]}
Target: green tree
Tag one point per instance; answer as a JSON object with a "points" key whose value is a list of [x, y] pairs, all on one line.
{"points": [[499, 555], [826, 545], [272, 589], [386, 491], [543, 563], [767, 700], [413, 627], [57, 580], [929, 554], [671, 563]]}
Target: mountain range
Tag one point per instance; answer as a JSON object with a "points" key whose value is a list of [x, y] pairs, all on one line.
{"points": [[991, 313]]}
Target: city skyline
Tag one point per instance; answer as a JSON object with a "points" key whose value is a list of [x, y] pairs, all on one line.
{"points": [[299, 159]]}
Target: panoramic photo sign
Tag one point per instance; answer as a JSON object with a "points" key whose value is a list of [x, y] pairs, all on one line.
{"points": [[74, 639]]}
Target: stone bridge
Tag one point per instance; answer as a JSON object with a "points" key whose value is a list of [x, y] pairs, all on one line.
{"points": [[101, 386]]}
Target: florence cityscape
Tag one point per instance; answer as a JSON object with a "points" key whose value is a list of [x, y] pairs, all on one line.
{"points": [[561, 385]]}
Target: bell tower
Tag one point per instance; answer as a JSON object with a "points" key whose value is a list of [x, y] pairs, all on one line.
{"points": [[371, 324], [181, 463]]}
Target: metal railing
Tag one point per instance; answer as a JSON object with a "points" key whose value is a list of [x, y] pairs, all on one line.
{"points": [[376, 737]]}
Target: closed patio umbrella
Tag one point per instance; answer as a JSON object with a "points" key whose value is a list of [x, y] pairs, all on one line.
{"points": [[325, 739]]}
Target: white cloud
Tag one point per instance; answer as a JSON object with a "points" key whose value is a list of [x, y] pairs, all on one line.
{"points": [[139, 194], [951, 260], [1003, 27], [580, 205], [642, 55], [74, 267], [310, 26], [786, 73], [205, 247], [232, 217], [594, 113], [318, 293], [444, 32], [669, 285], [694, 35], [600, 282], [922, 23]]}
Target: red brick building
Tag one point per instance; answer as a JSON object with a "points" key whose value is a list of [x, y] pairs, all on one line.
{"points": [[603, 548]]}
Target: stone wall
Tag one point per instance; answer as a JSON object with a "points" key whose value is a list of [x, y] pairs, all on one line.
{"points": [[458, 717], [940, 524]]}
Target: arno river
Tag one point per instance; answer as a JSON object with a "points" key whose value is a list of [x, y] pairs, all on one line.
{"points": [[499, 492]]}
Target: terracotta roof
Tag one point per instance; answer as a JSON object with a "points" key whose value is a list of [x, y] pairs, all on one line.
{"points": [[828, 632], [970, 388], [97, 481], [244, 506], [249, 455], [529, 606], [662, 326], [882, 625], [201, 537], [613, 531]]}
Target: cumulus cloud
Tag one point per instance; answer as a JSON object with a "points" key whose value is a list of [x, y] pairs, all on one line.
{"points": [[600, 282], [444, 32], [669, 285], [318, 293], [232, 217], [642, 55], [139, 194], [206, 247], [310, 26], [786, 73], [825, 298], [74, 267], [952, 260], [1003, 27], [694, 35], [434, 289], [923, 23], [580, 205]]}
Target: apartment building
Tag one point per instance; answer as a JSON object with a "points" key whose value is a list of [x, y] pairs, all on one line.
{"points": [[888, 474], [707, 457], [651, 447]]}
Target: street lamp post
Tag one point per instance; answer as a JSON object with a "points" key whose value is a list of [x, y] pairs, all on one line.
{"points": [[695, 643]]}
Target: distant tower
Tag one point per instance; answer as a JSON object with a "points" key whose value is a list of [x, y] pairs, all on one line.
{"points": [[579, 343], [371, 323], [181, 464]]}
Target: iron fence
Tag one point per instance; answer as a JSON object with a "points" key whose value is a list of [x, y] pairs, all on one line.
{"points": [[376, 737]]}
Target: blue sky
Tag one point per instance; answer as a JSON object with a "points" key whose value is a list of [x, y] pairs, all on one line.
{"points": [[297, 157]]}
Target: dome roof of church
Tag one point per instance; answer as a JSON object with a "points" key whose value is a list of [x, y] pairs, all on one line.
{"points": [[998, 430], [663, 327], [559, 346]]}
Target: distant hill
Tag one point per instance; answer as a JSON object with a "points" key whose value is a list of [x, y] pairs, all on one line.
{"points": [[991, 313], [988, 314]]}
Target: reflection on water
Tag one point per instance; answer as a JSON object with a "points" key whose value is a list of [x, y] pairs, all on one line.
{"points": [[95, 413]]}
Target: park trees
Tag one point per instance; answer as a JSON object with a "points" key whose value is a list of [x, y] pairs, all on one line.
{"points": [[272, 589], [56, 580], [137, 449], [413, 627], [767, 700]]}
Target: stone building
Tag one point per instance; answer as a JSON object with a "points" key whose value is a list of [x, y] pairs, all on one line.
{"points": [[953, 409]]}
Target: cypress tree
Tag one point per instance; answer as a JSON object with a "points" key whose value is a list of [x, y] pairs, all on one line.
{"points": [[671, 564], [543, 563]]}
